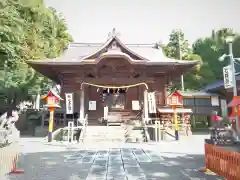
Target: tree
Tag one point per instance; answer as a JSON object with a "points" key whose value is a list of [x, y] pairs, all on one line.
{"points": [[177, 41], [172, 50], [210, 49], [207, 50], [28, 31]]}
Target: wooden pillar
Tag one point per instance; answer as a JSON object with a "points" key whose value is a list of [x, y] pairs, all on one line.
{"points": [[165, 94], [145, 94], [82, 114]]}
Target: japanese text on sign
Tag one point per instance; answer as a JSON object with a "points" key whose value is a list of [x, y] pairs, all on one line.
{"points": [[227, 76], [69, 103]]}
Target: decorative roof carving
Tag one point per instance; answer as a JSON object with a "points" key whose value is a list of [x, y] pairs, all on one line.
{"points": [[114, 46], [113, 34]]}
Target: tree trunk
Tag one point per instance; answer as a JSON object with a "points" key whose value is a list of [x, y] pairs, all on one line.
{"points": [[11, 104]]}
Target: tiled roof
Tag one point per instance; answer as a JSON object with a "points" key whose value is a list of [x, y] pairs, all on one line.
{"points": [[195, 93], [83, 52], [213, 86]]}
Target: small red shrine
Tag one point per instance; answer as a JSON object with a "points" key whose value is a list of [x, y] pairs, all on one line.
{"points": [[175, 99], [52, 99]]}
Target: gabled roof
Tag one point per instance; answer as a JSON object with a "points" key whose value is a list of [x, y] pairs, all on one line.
{"points": [[85, 53]]}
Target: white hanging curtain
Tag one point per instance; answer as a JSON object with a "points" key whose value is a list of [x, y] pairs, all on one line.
{"points": [[152, 102]]}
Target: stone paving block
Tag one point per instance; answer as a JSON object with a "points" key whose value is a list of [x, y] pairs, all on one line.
{"points": [[136, 176], [100, 162], [130, 163], [155, 158], [134, 170], [116, 168], [98, 171], [102, 152], [86, 159], [116, 153], [96, 177]]}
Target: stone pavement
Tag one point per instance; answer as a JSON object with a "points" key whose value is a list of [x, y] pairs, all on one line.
{"points": [[166, 160]]}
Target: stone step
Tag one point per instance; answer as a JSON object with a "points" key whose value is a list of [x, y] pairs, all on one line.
{"points": [[104, 134], [104, 138]]}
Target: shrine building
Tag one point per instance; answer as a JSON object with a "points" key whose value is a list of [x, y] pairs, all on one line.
{"points": [[112, 74]]}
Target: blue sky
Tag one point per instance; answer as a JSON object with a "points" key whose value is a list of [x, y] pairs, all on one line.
{"points": [[146, 21]]}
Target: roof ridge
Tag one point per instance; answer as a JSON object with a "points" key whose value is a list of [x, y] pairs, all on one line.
{"points": [[74, 44]]}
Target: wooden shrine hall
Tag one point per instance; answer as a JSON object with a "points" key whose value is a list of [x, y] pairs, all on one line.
{"points": [[112, 74]]}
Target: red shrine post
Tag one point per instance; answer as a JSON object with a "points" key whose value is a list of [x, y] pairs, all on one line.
{"points": [[175, 100], [52, 102]]}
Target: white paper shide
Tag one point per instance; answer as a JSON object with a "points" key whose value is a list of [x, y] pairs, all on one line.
{"points": [[69, 103]]}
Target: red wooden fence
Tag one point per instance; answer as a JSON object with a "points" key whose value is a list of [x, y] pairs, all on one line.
{"points": [[223, 162]]}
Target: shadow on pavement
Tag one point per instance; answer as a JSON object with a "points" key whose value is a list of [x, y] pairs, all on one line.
{"points": [[117, 164]]}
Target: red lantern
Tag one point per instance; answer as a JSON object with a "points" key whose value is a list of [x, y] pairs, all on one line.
{"points": [[52, 100], [175, 99]]}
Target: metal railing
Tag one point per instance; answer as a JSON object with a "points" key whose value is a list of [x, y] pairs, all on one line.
{"points": [[84, 127], [139, 116]]}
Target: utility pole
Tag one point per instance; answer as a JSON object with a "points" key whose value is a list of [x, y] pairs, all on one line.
{"points": [[234, 83], [229, 41], [180, 57]]}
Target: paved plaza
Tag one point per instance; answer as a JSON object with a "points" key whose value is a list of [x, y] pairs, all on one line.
{"points": [[106, 161]]}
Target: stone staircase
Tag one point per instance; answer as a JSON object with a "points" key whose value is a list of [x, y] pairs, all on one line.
{"points": [[104, 134]]}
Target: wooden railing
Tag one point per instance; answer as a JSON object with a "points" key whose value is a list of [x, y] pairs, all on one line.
{"points": [[223, 162]]}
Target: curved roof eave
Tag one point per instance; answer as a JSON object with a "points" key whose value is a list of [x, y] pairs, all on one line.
{"points": [[170, 62], [106, 55], [117, 55], [129, 50], [99, 49]]}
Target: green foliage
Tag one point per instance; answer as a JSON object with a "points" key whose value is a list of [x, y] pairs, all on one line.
{"points": [[28, 31], [207, 50], [178, 48], [177, 41]]}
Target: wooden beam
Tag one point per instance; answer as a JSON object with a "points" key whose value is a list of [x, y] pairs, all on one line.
{"points": [[130, 68]]}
